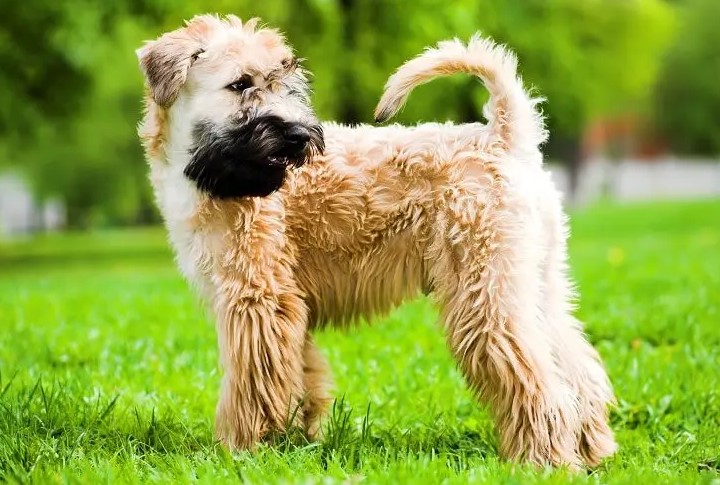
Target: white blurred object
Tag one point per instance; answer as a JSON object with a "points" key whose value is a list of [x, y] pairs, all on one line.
{"points": [[21, 214], [634, 180]]}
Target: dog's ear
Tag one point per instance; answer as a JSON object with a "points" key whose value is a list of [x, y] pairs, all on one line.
{"points": [[165, 63]]}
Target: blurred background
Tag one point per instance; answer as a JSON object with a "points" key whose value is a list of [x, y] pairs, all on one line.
{"points": [[632, 88]]}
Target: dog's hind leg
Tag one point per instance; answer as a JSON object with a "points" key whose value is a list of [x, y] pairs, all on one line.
{"points": [[486, 273], [590, 381], [573, 351], [318, 382]]}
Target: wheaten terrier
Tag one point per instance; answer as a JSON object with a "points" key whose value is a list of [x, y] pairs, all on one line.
{"points": [[286, 225]]}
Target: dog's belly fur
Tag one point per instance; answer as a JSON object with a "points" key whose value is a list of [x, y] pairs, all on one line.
{"points": [[350, 287], [363, 220]]}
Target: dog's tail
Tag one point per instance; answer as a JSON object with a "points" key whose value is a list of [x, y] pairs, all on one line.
{"points": [[511, 112]]}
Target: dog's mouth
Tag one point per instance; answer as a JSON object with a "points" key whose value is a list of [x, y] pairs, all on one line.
{"points": [[285, 162], [277, 161], [291, 157]]}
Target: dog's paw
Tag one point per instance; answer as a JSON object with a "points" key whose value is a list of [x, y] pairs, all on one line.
{"points": [[314, 430], [597, 441], [544, 431]]}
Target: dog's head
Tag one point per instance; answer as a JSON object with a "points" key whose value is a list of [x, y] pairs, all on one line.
{"points": [[236, 104]]}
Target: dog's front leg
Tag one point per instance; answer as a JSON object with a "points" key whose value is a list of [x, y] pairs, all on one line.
{"points": [[261, 338]]}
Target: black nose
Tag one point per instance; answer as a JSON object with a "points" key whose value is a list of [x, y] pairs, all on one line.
{"points": [[297, 135]]}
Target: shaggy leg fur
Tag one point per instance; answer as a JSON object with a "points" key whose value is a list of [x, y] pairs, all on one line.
{"points": [[262, 385], [262, 320], [572, 350], [488, 279], [590, 381], [317, 382]]}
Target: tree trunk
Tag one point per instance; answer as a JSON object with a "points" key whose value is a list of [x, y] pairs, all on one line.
{"points": [[574, 162], [567, 149]]}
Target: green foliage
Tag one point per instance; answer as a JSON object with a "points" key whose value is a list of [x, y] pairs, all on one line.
{"points": [[70, 88], [96, 164], [587, 58], [37, 68], [108, 368], [688, 90]]}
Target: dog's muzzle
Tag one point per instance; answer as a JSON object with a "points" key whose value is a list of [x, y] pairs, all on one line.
{"points": [[297, 137], [250, 158]]}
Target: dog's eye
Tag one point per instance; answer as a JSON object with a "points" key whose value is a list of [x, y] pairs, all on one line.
{"points": [[241, 84], [289, 63]]}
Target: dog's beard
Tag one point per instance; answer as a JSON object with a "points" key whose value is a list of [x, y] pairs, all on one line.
{"points": [[249, 159]]}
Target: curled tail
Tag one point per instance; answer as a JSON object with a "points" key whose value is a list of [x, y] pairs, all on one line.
{"points": [[512, 114]]}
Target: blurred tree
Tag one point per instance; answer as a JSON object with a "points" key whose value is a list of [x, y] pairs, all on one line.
{"points": [[687, 96], [69, 106], [42, 80], [74, 134], [590, 59], [96, 163]]}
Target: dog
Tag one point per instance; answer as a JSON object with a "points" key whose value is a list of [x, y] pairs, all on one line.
{"points": [[285, 225]]}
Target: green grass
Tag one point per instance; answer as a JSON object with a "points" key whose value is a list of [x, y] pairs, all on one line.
{"points": [[108, 368]]}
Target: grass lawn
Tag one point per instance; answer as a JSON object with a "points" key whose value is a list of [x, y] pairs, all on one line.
{"points": [[108, 368]]}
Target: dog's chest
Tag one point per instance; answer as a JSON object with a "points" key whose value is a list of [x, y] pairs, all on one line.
{"points": [[178, 201]]}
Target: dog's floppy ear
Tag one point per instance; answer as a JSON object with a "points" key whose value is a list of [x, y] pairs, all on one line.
{"points": [[165, 63]]}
